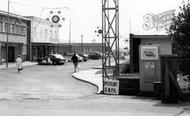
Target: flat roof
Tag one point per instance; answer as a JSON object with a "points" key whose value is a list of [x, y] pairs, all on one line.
{"points": [[14, 15], [150, 36]]}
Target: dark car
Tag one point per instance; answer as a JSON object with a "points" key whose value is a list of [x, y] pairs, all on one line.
{"points": [[95, 55], [69, 56], [44, 60], [52, 59], [85, 56]]}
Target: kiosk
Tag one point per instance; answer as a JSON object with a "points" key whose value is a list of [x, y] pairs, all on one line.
{"points": [[149, 59]]}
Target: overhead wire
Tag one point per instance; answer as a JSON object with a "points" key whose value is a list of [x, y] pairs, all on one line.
{"points": [[93, 19]]}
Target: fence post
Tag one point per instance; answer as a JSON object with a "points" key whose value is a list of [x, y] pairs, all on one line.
{"points": [[170, 87]]}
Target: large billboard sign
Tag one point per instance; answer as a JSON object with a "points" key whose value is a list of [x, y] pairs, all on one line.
{"points": [[157, 21]]}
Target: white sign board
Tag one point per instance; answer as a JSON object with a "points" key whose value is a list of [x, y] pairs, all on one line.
{"points": [[111, 87], [158, 21], [149, 53]]}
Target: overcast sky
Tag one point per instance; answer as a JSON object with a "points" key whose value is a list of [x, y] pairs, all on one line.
{"points": [[86, 15]]}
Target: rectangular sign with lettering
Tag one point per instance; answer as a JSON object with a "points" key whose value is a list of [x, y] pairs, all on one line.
{"points": [[149, 53], [111, 87]]}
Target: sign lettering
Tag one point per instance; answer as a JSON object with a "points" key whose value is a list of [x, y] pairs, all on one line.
{"points": [[111, 87], [159, 21]]}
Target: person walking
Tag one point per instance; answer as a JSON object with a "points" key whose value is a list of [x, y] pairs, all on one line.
{"points": [[74, 59], [19, 63]]}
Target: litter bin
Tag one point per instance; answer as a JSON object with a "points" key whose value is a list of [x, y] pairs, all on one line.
{"points": [[157, 90]]}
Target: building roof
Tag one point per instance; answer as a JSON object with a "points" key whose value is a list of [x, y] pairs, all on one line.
{"points": [[84, 44], [14, 15], [41, 20], [150, 36]]}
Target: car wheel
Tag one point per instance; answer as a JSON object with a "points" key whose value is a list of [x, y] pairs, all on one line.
{"points": [[57, 63], [53, 63]]}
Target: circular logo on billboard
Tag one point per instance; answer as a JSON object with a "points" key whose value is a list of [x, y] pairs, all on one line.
{"points": [[55, 19]]}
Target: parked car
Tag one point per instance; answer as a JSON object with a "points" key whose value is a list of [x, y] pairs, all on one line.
{"points": [[80, 59], [69, 56], [44, 60], [95, 55], [52, 59], [85, 56]]}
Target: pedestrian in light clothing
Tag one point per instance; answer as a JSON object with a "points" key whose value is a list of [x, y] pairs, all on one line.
{"points": [[74, 59], [19, 63]]}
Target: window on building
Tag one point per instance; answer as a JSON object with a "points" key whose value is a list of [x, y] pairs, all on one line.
{"points": [[1, 26], [5, 27], [46, 33], [13, 29], [18, 29], [23, 30]]}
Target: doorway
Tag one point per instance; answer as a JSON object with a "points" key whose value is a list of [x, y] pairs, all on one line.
{"points": [[11, 54]]}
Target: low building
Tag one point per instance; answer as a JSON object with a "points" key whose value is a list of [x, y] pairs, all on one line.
{"points": [[163, 41], [14, 35], [79, 47]]}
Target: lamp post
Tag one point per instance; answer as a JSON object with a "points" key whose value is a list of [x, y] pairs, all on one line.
{"points": [[7, 43], [67, 8], [82, 43]]}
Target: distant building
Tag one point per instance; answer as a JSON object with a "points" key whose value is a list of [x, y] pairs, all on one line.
{"points": [[79, 48], [17, 28], [44, 37], [88, 47]]}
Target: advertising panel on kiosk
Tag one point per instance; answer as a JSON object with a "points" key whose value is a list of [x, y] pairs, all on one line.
{"points": [[149, 66]]}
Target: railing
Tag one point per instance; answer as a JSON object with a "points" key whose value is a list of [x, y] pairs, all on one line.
{"points": [[129, 69]]}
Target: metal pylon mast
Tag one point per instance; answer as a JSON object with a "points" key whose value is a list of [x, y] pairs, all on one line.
{"points": [[110, 39]]}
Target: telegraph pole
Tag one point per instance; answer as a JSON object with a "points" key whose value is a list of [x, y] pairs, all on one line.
{"points": [[70, 30], [82, 43], [110, 42], [7, 45]]}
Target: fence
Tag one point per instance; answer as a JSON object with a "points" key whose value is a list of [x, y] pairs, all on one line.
{"points": [[174, 80]]}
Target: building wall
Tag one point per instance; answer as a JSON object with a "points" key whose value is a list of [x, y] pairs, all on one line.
{"points": [[80, 48], [0, 54], [165, 45], [88, 47], [44, 37], [13, 29], [44, 31]]}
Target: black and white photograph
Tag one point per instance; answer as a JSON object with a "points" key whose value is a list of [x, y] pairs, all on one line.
{"points": [[94, 58]]}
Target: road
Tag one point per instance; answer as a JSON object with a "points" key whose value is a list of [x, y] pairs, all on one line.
{"points": [[51, 91], [45, 82]]}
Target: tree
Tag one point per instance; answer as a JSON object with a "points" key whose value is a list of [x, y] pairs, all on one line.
{"points": [[179, 31]]}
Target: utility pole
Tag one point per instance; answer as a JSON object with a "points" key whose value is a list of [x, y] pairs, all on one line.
{"points": [[110, 42], [7, 45], [82, 42], [70, 31]]}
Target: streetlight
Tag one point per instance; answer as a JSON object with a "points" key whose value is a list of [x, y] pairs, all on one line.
{"points": [[7, 43], [98, 32], [82, 43]]}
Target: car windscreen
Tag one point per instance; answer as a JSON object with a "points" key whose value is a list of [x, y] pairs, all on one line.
{"points": [[58, 56]]}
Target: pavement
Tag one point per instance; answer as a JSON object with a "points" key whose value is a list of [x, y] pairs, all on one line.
{"points": [[90, 76], [13, 65], [124, 105], [85, 75]]}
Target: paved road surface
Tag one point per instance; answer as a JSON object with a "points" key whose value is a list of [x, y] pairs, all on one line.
{"points": [[51, 91], [45, 82]]}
